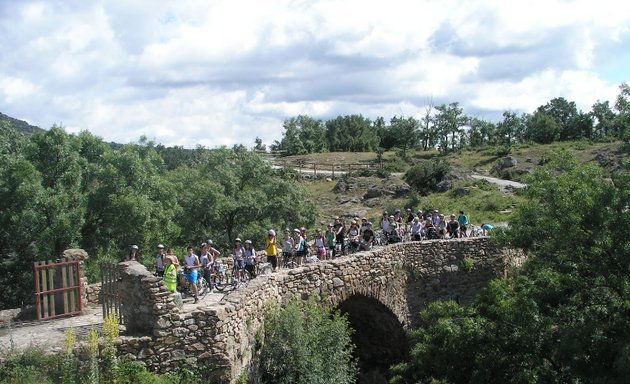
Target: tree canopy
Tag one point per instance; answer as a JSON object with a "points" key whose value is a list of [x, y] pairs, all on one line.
{"points": [[59, 191], [564, 316]]}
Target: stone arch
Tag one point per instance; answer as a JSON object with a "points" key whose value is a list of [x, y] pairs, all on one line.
{"points": [[379, 337]]}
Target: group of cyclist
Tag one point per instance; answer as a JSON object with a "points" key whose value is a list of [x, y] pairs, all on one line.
{"points": [[296, 248]]}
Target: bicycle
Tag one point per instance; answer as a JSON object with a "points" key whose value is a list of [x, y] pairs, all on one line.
{"points": [[202, 288], [218, 277], [263, 269], [288, 261]]}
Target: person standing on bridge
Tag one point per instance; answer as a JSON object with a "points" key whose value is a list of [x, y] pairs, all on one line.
{"points": [[340, 232], [133, 253], [159, 260], [170, 274], [271, 248]]}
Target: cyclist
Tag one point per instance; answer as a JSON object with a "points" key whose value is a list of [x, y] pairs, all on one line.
{"points": [[354, 235], [249, 255], [271, 248], [330, 241], [416, 229], [238, 253], [364, 224], [367, 238], [320, 244], [207, 261], [300, 246], [340, 231], [170, 274], [159, 260], [215, 253], [410, 216], [191, 268], [385, 227], [452, 227], [287, 245], [462, 219], [133, 253]]}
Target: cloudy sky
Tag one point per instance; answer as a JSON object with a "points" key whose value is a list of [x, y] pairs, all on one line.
{"points": [[214, 72]]}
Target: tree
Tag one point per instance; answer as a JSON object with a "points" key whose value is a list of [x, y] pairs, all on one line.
{"points": [[305, 344], [235, 193], [449, 121], [563, 316], [509, 129], [259, 147], [564, 113], [542, 128], [351, 133], [604, 117], [302, 134]]}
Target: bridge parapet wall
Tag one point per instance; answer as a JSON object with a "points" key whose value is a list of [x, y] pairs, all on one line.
{"points": [[223, 339]]}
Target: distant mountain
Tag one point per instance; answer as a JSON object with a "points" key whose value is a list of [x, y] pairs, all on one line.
{"points": [[20, 125]]}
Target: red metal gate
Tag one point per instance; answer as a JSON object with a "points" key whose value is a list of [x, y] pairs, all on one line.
{"points": [[57, 289]]}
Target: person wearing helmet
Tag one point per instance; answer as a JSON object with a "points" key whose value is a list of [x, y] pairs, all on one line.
{"points": [[191, 271], [133, 253], [288, 244], [249, 255], [385, 227], [299, 249], [330, 241], [159, 260], [238, 254], [367, 237], [320, 244], [271, 248], [340, 232]]}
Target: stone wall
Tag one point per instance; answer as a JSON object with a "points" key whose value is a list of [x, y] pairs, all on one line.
{"points": [[221, 339]]}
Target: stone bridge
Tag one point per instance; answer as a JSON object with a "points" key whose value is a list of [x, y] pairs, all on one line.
{"points": [[382, 291]]}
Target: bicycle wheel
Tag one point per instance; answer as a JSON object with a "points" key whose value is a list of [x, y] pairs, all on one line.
{"points": [[221, 281], [264, 268], [245, 276], [202, 288]]}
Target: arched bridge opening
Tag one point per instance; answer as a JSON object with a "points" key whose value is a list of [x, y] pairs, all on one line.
{"points": [[379, 337]]}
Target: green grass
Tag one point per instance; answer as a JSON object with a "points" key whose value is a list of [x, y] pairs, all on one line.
{"points": [[482, 204]]}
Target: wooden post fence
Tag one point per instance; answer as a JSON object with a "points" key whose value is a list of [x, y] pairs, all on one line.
{"points": [[57, 289]]}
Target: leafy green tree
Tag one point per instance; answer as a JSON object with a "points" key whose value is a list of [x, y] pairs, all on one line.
{"points": [[621, 123], [604, 117], [542, 128], [402, 133], [55, 155], [302, 134], [564, 112], [21, 223], [563, 316], [305, 344], [351, 133], [235, 193], [509, 129], [131, 203], [449, 120]]}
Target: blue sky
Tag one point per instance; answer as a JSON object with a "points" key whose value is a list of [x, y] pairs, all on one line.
{"points": [[196, 72]]}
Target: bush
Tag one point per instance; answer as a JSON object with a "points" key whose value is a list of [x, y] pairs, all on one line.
{"points": [[304, 344], [425, 176]]}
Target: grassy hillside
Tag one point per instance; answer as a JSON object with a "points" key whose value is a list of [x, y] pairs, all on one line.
{"points": [[482, 201]]}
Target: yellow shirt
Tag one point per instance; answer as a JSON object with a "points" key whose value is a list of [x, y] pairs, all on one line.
{"points": [[271, 248]]}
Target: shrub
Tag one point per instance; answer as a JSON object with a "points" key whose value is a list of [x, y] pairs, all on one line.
{"points": [[425, 176], [304, 343]]}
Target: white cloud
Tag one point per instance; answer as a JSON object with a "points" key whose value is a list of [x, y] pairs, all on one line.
{"points": [[193, 72]]}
